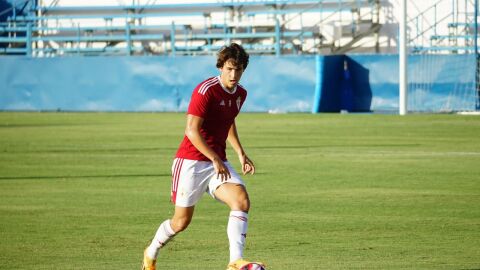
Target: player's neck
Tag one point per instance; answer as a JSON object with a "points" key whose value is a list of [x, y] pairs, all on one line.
{"points": [[230, 91]]}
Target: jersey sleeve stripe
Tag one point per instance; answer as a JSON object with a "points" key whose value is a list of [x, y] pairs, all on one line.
{"points": [[208, 87], [204, 88], [205, 84]]}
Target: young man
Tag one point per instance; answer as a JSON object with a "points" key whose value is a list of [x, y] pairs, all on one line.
{"points": [[201, 164]]}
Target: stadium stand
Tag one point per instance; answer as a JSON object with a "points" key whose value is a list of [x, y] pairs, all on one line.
{"points": [[269, 27], [318, 43]]}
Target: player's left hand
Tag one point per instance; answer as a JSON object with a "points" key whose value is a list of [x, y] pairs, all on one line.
{"points": [[247, 164]]}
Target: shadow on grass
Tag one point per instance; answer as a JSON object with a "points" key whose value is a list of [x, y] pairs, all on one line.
{"points": [[81, 176], [98, 150], [172, 149], [331, 145]]}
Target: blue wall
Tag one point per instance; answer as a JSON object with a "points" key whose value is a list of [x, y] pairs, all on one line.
{"points": [[146, 83], [279, 84]]}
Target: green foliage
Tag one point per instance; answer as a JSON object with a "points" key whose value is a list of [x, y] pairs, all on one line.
{"points": [[88, 191]]}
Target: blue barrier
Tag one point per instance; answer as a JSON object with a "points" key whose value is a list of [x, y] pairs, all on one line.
{"points": [[276, 84], [146, 83]]}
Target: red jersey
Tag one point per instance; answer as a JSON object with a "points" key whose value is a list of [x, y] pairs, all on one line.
{"points": [[218, 107]]}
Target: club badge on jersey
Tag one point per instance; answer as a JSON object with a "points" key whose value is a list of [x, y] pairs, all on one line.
{"points": [[239, 102]]}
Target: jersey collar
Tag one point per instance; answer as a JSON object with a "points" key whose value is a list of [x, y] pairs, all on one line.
{"points": [[225, 89]]}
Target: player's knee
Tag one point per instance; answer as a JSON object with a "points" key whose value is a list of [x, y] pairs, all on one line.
{"points": [[180, 224], [245, 206], [242, 204]]}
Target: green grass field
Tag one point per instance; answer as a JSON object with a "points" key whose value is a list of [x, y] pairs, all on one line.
{"points": [[88, 190]]}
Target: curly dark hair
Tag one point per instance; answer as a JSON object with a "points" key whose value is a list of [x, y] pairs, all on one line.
{"points": [[234, 52]]}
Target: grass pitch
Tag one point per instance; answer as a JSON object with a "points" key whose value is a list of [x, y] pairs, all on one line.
{"points": [[88, 190]]}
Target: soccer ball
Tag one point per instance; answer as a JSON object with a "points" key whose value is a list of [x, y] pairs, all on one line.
{"points": [[253, 266]]}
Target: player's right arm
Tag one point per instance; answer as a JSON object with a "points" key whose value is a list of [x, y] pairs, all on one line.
{"points": [[192, 131]]}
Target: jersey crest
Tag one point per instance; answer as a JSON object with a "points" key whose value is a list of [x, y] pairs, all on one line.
{"points": [[239, 102]]}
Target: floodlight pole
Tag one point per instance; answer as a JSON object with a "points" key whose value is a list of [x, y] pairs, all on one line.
{"points": [[403, 85]]}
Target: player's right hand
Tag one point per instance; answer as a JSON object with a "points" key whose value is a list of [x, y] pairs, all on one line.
{"points": [[221, 170]]}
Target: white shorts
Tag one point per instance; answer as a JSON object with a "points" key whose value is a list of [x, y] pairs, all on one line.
{"points": [[192, 178]]}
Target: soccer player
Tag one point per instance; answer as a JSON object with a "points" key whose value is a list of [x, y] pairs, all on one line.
{"points": [[201, 164]]}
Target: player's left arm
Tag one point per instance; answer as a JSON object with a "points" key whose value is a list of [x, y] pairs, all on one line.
{"points": [[233, 139]]}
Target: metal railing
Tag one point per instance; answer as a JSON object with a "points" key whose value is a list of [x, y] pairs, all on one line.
{"points": [[434, 30], [175, 29]]}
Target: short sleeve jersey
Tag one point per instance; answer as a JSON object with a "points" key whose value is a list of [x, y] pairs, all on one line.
{"points": [[218, 107]]}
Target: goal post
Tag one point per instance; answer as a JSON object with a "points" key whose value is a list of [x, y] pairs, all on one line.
{"points": [[403, 80], [477, 58]]}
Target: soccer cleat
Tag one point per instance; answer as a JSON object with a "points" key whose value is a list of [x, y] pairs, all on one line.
{"points": [[147, 263], [242, 264]]}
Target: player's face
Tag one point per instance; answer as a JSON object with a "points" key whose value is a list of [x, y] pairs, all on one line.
{"points": [[230, 74]]}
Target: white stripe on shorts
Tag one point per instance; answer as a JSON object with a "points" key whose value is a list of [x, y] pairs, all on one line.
{"points": [[177, 168]]}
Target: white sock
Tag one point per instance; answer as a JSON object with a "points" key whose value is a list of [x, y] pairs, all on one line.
{"points": [[163, 235], [237, 233]]}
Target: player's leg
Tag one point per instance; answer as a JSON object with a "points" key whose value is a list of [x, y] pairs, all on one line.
{"points": [[166, 231], [187, 189], [236, 197], [181, 218], [169, 228]]}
